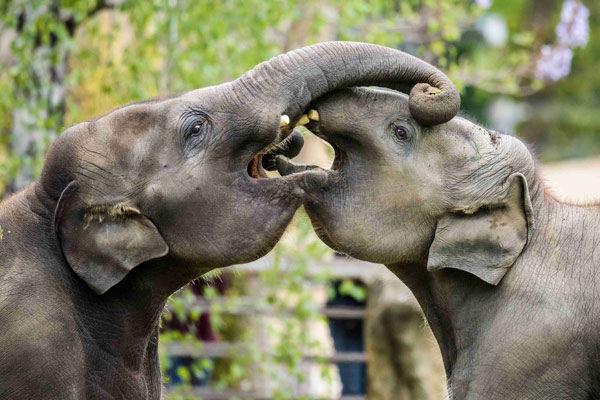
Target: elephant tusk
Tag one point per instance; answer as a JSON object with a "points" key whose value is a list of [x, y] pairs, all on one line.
{"points": [[285, 120], [303, 120], [313, 115]]}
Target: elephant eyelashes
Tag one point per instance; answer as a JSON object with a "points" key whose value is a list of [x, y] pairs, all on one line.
{"points": [[193, 122], [196, 127], [193, 128]]}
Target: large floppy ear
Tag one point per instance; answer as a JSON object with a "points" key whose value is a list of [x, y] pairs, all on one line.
{"points": [[103, 243], [487, 239]]}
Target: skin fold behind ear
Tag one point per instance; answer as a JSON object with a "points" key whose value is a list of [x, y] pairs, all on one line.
{"points": [[104, 244], [487, 241]]}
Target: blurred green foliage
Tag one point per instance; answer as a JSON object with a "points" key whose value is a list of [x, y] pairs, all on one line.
{"points": [[561, 122], [273, 335], [351, 289], [138, 49], [112, 53], [115, 53]]}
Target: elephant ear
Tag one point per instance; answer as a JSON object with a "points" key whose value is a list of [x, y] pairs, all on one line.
{"points": [[487, 239], [103, 243]]}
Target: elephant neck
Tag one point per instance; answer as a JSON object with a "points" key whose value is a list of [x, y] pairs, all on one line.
{"points": [[132, 310], [476, 323], [27, 216], [125, 322], [445, 303], [121, 342], [26, 236]]}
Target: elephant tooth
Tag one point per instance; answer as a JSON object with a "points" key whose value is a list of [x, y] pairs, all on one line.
{"points": [[313, 115], [303, 120], [285, 120]]}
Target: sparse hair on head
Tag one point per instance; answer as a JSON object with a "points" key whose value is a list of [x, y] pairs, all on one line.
{"points": [[110, 212]]}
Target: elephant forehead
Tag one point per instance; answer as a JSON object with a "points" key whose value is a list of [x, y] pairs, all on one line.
{"points": [[111, 155], [461, 140], [137, 119], [487, 145], [220, 98]]}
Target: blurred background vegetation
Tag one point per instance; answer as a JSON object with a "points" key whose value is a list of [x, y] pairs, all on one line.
{"points": [[65, 61], [523, 66]]}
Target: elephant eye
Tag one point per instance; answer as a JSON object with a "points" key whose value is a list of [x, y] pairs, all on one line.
{"points": [[197, 128], [400, 132], [193, 128]]}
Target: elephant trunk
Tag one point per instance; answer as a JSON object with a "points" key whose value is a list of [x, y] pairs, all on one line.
{"points": [[288, 83]]}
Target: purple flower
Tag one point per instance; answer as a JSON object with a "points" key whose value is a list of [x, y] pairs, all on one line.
{"points": [[485, 4], [573, 30], [554, 63]]}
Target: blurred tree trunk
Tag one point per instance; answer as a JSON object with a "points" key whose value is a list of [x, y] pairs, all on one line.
{"points": [[45, 32], [404, 362], [42, 97], [541, 13]]}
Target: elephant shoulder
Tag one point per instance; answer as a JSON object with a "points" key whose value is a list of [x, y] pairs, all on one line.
{"points": [[38, 343], [35, 351]]}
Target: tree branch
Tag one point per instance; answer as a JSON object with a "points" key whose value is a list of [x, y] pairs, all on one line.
{"points": [[101, 5]]}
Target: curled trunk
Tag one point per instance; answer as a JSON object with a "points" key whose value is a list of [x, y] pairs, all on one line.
{"points": [[288, 83]]}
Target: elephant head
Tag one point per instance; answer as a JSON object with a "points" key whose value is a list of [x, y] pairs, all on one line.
{"points": [[410, 186], [178, 180]]}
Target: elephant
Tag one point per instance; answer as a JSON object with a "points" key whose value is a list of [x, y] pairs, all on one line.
{"points": [[133, 205], [504, 272]]}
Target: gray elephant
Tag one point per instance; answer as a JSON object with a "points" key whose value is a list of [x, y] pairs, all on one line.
{"points": [[505, 273], [133, 205]]}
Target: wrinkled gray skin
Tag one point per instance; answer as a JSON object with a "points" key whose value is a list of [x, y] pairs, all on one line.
{"points": [[135, 204], [508, 277]]}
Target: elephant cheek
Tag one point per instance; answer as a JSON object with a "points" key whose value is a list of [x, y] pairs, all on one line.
{"points": [[324, 217], [154, 194], [157, 201], [172, 206]]}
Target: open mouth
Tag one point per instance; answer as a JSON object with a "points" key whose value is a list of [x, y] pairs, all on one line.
{"points": [[289, 147], [340, 156], [264, 160], [255, 168]]}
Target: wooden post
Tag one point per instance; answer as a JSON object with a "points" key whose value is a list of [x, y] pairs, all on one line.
{"points": [[404, 362]]}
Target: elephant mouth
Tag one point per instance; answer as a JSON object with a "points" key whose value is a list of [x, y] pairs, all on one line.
{"points": [[288, 146], [298, 180], [256, 169], [339, 156], [286, 167]]}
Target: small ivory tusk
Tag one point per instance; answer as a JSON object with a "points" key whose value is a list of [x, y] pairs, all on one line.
{"points": [[313, 115], [285, 120], [303, 120]]}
